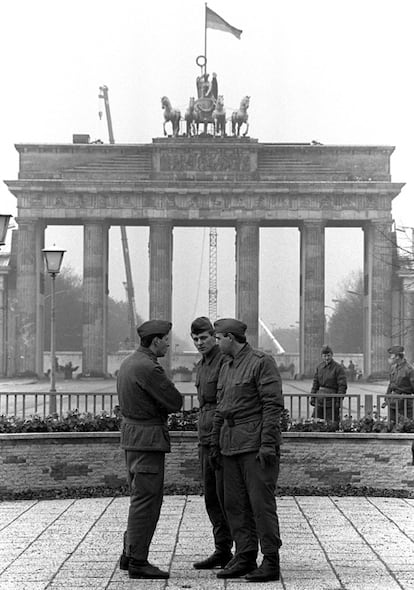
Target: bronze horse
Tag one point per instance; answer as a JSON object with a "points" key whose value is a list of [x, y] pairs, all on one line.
{"points": [[172, 115], [219, 117], [239, 117], [191, 118]]}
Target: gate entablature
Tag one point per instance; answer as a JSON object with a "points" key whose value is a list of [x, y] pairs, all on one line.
{"points": [[214, 159]]}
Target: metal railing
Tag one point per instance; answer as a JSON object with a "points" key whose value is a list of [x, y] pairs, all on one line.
{"points": [[303, 406], [355, 406], [24, 405], [396, 407]]}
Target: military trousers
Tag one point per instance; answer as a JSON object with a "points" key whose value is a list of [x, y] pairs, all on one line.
{"points": [[145, 471], [250, 504], [214, 501]]}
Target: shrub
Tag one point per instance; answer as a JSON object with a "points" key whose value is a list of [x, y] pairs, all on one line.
{"points": [[369, 423], [75, 421], [186, 420]]}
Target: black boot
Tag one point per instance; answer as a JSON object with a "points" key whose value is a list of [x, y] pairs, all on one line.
{"points": [[142, 569], [240, 565], [269, 570], [217, 559], [123, 561]]}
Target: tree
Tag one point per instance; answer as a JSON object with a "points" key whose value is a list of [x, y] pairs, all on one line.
{"points": [[345, 326], [69, 307]]}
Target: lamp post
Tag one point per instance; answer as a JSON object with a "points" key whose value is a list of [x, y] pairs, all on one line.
{"points": [[53, 258]]}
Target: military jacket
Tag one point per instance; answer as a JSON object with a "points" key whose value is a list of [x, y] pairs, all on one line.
{"points": [[401, 378], [250, 403], [146, 397], [208, 369], [331, 376]]}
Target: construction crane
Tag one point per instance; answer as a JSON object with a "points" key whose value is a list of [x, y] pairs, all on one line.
{"points": [[212, 275], [129, 287]]}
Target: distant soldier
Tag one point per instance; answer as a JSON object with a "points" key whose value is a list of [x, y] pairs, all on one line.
{"points": [[329, 377], [401, 383], [351, 371]]}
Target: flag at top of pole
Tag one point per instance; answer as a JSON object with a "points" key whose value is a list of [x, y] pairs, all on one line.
{"points": [[214, 21]]}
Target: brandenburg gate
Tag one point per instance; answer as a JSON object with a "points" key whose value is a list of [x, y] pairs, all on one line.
{"points": [[204, 181]]}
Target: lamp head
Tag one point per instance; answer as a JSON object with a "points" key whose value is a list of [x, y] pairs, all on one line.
{"points": [[4, 226], [53, 258]]}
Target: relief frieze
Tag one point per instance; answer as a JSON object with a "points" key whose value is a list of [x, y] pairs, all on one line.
{"points": [[205, 160]]}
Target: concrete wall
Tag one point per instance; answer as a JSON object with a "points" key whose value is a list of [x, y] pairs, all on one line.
{"points": [[68, 460]]}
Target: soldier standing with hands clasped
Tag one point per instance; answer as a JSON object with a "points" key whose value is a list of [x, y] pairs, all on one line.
{"points": [[208, 368], [246, 443], [146, 396], [329, 378]]}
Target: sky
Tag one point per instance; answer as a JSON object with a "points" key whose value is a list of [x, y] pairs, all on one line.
{"points": [[327, 70]]}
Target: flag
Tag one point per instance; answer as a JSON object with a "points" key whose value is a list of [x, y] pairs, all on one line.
{"points": [[214, 21]]}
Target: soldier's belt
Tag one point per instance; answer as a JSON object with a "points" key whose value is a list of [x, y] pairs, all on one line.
{"points": [[326, 390], [231, 421], [148, 422]]}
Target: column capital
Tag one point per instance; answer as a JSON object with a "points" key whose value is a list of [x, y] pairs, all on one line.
{"points": [[247, 223], [21, 220], [312, 223], [160, 223]]}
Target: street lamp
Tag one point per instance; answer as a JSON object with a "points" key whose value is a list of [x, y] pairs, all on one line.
{"points": [[4, 226], [53, 258]]}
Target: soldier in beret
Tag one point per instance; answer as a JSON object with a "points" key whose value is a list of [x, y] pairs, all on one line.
{"points": [[401, 383], [329, 377], [146, 396], [208, 368], [246, 445]]}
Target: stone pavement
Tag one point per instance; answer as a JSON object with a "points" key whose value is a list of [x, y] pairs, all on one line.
{"points": [[330, 543]]}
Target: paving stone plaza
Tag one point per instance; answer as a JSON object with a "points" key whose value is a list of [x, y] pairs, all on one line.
{"points": [[330, 543]]}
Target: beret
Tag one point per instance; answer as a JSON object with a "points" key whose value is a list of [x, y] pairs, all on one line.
{"points": [[154, 327], [231, 325], [326, 350], [396, 349], [201, 324]]}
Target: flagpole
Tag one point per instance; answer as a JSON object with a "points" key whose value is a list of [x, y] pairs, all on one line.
{"points": [[205, 37]]}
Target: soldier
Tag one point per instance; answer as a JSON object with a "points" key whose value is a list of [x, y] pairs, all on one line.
{"points": [[329, 378], [246, 440], [208, 368], [146, 396], [401, 382]]}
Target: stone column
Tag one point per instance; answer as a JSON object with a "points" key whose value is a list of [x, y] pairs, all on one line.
{"points": [[3, 324], [29, 298], [247, 278], [406, 335], [95, 298], [160, 275], [312, 295], [378, 247], [160, 270]]}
